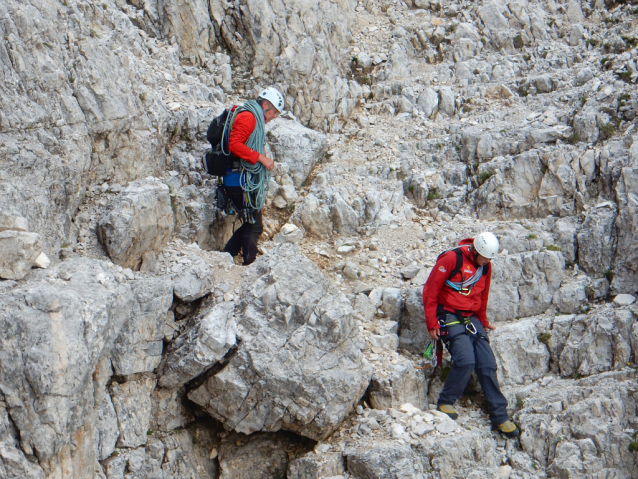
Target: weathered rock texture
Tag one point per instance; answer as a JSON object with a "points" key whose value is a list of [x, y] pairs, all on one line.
{"points": [[299, 366], [431, 121], [139, 220]]}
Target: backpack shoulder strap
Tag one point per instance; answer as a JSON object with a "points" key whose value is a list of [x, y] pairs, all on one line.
{"points": [[459, 261], [486, 268]]}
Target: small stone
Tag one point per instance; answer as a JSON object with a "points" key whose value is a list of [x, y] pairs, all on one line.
{"points": [[409, 408], [422, 429], [624, 299], [346, 248], [279, 202], [288, 228], [446, 427], [398, 430], [42, 261]]}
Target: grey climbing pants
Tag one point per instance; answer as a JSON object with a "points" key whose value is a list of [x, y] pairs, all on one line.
{"points": [[472, 352]]}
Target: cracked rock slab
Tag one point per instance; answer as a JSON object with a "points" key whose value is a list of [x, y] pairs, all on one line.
{"points": [[299, 366]]}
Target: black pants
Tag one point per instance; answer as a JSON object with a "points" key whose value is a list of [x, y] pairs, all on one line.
{"points": [[245, 238]]}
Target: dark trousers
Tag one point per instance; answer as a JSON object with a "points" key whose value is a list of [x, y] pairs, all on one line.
{"points": [[472, 352], [245, 238]]}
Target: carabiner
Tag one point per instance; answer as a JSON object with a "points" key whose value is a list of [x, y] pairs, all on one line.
{"points": [[470, 328]]}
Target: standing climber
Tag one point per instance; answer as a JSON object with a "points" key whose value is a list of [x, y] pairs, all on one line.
{"points": [[246, 182], [455, 302]]}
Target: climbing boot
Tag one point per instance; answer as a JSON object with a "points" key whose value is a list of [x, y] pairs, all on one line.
{"points": [[509, 429], [447, 409]]}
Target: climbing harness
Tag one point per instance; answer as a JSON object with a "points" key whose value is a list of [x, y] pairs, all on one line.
{"points": [[467, 322], [254, 179]]}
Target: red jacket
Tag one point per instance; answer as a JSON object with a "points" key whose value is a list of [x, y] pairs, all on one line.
{"points": [[243, 127], [436, 292]]}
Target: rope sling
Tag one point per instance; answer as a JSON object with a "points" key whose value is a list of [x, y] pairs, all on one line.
{"points": [[254, 179], [464, 285]]}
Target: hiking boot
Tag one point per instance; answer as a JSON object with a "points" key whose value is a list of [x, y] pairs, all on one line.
{"points": [[509, 429], [447, 409]]}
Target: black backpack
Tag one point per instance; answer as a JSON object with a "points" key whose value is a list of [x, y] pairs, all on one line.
{"points": [[217, 162]]}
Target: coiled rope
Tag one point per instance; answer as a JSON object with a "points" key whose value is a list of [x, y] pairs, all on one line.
{"points": [[254, 179]]}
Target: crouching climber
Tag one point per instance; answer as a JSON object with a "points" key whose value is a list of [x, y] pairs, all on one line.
{"points": [[455, 302], [246, 181]]}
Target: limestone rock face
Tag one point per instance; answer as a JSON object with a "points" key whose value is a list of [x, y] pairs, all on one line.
{"points": [[200, 347], [387, 460], [139, 346], [592, 439], [297, 146], [413, 333], [139, 220], [625, 269], [597, 241], [524, 283], [61, 323], [527, 358], [294, 44], [18, 253], [299, 366], [259, 456], [396, 385]]}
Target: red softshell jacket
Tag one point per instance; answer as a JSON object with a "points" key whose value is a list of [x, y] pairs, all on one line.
{"points": [[436, 292], [243, 127]]}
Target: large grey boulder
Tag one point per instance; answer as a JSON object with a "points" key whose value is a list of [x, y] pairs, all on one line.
{"points": [[428, 102], [297, 146], [192, 278], [54, 330], [18, 253], [571, 297], [513, 187], [140, 219], [413, 333], [586, 126], [397, 384], [299, 366]]}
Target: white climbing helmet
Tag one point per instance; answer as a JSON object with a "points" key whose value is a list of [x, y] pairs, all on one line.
{"points": [[273, 96], [486, 244]]}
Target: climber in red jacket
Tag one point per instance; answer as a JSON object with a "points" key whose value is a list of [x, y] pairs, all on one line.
{"points": [[247, 129], [455, 302]]}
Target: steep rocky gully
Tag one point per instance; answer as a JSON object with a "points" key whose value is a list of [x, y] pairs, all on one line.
{"points": [[130, 347]]}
